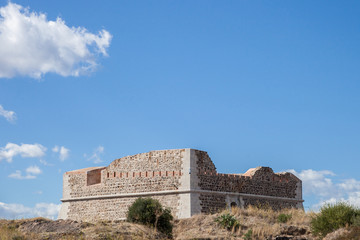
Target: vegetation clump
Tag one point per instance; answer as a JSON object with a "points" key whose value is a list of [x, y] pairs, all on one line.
{"points": [[283, 217], [228, 221], [248, 235], [149, 212], [334, 216]]}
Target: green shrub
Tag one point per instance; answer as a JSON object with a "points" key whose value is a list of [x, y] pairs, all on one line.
{"points": [[355, 220], [149, 212], [227, 221], [332, 217], [283, 218], [18, 237], [248, 235]]}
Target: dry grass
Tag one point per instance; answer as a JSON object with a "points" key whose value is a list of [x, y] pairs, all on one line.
{"points": [[262, 221], [28, 229], [199, 226], [9, 230], [352, 233]]}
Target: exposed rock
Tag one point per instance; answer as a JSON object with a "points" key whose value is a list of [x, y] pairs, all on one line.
{"points": [[283, 238], [293, 230], [334, 235]]}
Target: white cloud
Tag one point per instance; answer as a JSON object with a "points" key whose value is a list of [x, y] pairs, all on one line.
{"points": [[100, 149], [24, 150], [323, 186], [95, 157], [350, 185], [35, 170], [352, 198], [44, 162], [63, 152], [16, 211], [316, 182], [55, 149], [31, 45], [10, 116], [18, 175], [31, 173]]}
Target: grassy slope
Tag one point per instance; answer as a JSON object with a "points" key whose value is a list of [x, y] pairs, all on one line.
{"points": [[263, 223]]}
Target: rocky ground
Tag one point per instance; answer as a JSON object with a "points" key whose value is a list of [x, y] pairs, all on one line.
{"points": [[253, 224], [41, 228]]}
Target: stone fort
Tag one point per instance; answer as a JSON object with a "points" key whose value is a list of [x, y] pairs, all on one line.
{"points": [[184, 180]]}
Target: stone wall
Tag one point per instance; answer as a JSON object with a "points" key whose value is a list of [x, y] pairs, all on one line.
{"points": [[184, 180], [256, 181], [274, 204], [112, 208], [212, 203], [88, 191], [145, 172]]}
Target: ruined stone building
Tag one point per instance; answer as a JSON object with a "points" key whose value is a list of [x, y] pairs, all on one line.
{"points": [[184, 180]]}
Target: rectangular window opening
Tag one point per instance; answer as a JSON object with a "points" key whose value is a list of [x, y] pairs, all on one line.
{"points": [[93, 177]]}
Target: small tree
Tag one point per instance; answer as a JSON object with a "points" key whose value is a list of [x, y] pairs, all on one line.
{"points": [[149, 212]]}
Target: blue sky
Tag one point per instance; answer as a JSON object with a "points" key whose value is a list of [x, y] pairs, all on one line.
{"points": [[253, 83]]}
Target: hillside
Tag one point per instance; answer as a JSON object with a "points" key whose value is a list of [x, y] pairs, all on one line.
{"points": [[253, 224]]}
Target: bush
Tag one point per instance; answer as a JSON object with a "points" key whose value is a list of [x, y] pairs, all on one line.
{"points": [[355, 220], [333, 217], [149, 212], [227, 221], [283, 218]]}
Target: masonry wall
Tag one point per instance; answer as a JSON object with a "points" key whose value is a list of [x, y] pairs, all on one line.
{"points": [[112, 208], [184, 180], [141, 173], [145, 172], [258, 181]]}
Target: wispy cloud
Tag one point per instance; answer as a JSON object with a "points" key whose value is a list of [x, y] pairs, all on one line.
{"points": [[45, 163], [16, 211], [24, 150], [324, 186], [95, 156], [31, 173], [18, 175], [31, 45], [63, 152], [350, 185], [316, 182], [10, 116], [33, 170]]}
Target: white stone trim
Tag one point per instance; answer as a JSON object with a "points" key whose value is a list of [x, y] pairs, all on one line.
{"points": [[125, 195], [184, 205], [64, 210]]}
